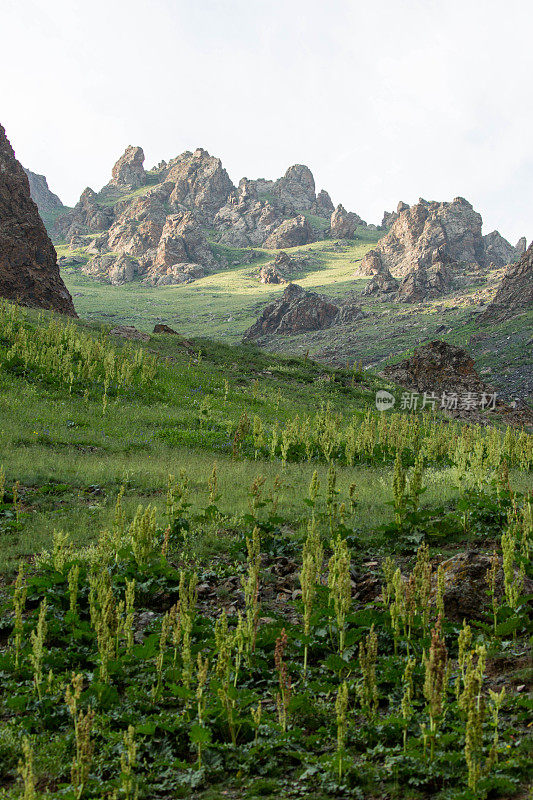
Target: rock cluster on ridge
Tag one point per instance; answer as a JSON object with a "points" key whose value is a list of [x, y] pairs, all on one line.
{"points": [[429, 243], [124, 226], [29, 273]]}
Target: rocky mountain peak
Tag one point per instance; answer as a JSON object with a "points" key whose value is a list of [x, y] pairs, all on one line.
{"points": [[29, 273], [128, 172], [515, 293]]}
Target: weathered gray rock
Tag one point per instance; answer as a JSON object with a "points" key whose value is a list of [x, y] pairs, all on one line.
{"points": [[424, 228], [112, 268], [291, 233], [245, 220], [323, 205], [521, 246], [343, 223], [200, 183], [382, 283], [515, 293], [182, 241], [41, 195], [297, 188], [87, 216], [128, 172], [436, 367], [498, 251]]}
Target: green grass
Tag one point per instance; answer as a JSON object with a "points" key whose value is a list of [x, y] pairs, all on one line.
{"points": [[67, 453]]}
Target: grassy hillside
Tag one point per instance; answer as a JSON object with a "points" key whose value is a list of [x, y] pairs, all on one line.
{"points": [[200, 534], [224, 304]]}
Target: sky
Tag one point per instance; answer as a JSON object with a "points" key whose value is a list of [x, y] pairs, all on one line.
{"points": [[384, 101]]}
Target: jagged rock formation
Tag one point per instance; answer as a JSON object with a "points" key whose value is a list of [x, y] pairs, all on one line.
{"points": [[271, 273], [129, 216], [423, 228], [128, 171], [343, 223], [44, 199], [390, 217], [87, 216], [298, 310], [431, 242], [323, 205], [521, 246], [515, 293], [29, 273], [247, 221], [498, 251]]}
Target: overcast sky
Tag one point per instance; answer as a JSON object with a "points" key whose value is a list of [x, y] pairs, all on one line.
{"points": [[384, 101]]}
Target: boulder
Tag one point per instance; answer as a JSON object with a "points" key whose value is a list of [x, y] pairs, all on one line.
{"points": [[437, 367], [296, 311], [44, 199], [465, 585], [382, 283], [128, 172], [291, 233], [29, 273], [175, 274], [129, 332], [498, 251], [343, 223], [277, 271], [515, 292], [162, 328]]}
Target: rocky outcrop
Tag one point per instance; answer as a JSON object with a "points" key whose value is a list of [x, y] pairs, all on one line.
{"points": [[323, 205], [343, 223], [296, 188], [139, 226], [382, 283], [245, 220], [29, 273], [87, 216], [422, 229], [521, 246], [296, 311], [112, 268], [283, 266], [162, 328], [498, 251], [182, 241], [128, 172], [44, 199], [200, 184], [515, 293], [390, 217], [271, 273], [436, 367], [291, 233]]}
